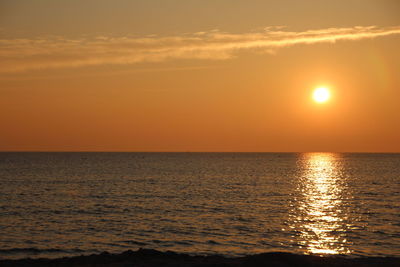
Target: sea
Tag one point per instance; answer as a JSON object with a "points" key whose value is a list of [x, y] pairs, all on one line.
{"points": [[232, 204]]}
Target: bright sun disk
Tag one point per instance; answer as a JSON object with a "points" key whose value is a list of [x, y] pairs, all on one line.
{"points": [[321, 94]]}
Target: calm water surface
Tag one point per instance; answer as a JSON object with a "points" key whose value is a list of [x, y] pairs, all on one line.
{"points": [[57, 204]]}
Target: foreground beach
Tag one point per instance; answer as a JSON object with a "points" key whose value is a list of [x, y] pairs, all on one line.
{"points": [[150, 258]]}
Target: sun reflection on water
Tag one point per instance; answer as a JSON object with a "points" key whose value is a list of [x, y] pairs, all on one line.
{"points": [[318, 215]]}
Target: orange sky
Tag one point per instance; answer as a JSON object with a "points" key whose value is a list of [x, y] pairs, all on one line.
{"points": [[199, 75]]}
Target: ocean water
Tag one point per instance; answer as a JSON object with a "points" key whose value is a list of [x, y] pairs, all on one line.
{"points": [[64, 204]]}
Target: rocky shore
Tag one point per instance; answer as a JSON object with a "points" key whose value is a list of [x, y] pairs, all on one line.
{"points": [[150, 258]]}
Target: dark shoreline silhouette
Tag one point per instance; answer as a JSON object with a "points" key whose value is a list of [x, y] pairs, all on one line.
{"points": [[150, 258]]}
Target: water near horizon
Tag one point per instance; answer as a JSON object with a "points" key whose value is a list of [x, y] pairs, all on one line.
{"points": [[64, 204]]}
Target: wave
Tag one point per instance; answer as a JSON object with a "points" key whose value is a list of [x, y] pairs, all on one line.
{"points": [[38, 251]]}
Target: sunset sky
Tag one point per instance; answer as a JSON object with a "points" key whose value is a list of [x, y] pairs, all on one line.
{"points": [[199, 75]]}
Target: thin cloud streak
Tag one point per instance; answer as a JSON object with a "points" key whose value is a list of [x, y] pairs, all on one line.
{"points": [[19, 55]]}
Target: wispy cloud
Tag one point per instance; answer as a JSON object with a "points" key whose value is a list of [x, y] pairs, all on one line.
{"points": [[41, 53]]}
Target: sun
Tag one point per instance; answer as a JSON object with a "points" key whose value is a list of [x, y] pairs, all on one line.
{"points": [[321, 94]]}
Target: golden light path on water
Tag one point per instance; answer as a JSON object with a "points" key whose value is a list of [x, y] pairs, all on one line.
{"points": [[319, 215]]}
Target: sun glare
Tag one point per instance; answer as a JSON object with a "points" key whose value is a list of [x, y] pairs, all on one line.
{"points": [[321, 94]]}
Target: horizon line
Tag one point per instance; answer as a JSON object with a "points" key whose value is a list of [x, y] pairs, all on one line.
{"points": [[216, 152]]}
